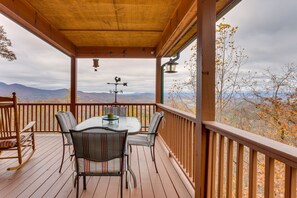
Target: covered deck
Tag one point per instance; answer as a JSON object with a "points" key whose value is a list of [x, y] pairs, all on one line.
{"points": [[219, 160]]}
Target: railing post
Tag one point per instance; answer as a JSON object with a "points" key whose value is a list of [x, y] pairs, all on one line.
{"points": [[269, 177], [73, 86], [290, 182], [202, 165], [253, 174]]}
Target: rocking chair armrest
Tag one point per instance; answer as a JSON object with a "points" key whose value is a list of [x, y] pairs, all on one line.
{"points": [[29, 126]]}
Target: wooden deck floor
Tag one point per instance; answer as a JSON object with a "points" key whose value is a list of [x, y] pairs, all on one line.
{"points": [[40, 177]]}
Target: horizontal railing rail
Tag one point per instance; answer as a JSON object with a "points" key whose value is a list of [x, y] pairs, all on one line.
{"points": [[44, 113], [178, 134]]}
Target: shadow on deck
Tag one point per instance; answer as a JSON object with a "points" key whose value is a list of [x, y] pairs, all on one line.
{"points": [[40, 177]]}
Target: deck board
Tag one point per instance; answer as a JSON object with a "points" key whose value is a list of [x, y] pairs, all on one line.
{"points": [[102, 187], [11, 178], [135, 192], [40, 177], [156, 182], [145, 180], [171, 171]]}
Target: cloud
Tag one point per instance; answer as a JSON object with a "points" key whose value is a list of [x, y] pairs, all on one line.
{"points": [[267, 31], [38, 64], [139, 73]]}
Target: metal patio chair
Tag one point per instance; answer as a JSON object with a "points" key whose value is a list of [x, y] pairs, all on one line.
{"points": [[66, 121], [148, 138], [99, 151]]}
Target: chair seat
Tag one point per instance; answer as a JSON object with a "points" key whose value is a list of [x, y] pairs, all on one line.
{"points": [[111, 166], [10, 143], [139, 139]]}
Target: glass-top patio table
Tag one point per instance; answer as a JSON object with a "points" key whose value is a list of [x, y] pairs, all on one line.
{"points": [[131, 123]]}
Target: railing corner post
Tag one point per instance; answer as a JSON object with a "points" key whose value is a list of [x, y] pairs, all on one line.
{"points": [[201, 162]]}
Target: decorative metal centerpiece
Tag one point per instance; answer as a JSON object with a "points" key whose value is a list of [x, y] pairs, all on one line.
{"points": [[116, 91]]}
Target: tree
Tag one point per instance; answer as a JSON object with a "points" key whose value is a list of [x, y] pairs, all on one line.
{"points": [[182, 94], [274, 94], [229, 58], [5, 43]]}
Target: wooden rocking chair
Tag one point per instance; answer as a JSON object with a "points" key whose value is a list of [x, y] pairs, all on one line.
{"points": [[11, 137]]}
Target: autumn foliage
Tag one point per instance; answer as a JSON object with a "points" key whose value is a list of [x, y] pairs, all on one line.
{"points": [[275, 99], [229, 59]]}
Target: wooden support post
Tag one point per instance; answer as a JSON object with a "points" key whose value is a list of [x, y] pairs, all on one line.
{"points": [[158, 80], [73, 86], [205, 97]]}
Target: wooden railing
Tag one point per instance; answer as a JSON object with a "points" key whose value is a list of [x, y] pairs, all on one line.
{"points": [[44, 113], [236, 157], [178, 135], [233, 157]]}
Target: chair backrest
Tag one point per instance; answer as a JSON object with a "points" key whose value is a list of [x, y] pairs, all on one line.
{"points": [[66, 121], [9, 121], [116, 110], [99, 144], [99, 150], [153, 127]]}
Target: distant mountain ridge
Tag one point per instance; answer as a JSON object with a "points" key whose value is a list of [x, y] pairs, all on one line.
{"points": [[30, 94]]}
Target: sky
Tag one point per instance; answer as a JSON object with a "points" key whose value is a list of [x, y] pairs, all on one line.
{"points": [[267, 31]]}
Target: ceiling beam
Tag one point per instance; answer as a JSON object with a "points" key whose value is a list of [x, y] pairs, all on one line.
{"points": [[106, 30], [25, 15], [183, 19], [115, 52]]}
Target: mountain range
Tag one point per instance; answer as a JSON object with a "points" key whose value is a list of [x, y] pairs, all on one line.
{"points": [[30, 94]]}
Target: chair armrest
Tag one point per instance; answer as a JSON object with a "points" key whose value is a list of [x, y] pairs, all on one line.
{"points": [[142, 132], [29, 126], [146, 133]]}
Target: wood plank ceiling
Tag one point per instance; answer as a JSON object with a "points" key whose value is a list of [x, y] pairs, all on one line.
{"points": [[109, 23], [110, 28]]}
